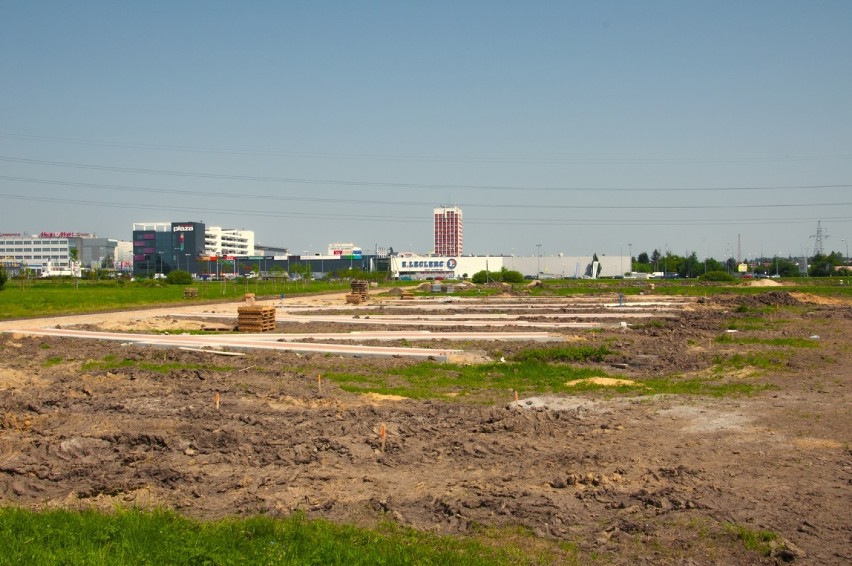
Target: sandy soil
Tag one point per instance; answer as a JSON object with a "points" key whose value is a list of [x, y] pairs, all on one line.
{"points": [[629, 478]]}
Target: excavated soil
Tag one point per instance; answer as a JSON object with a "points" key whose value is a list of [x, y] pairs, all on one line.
{"points": [[624, 477]]}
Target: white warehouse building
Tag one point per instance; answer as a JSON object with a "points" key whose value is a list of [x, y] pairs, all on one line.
{"points": [[417, 267]]}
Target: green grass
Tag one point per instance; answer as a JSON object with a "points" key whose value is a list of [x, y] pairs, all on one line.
{"points": [[58, 297], [583, 353], [492, 382], [758, 360], [111, 362], [677, 385], [426, 380], [162, 537], [754, 540], [52, 361]]}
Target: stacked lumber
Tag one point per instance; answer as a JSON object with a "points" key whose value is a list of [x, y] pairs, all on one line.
{"points": [[407, 295], [190, 292], [255, 319], [359, 292]]}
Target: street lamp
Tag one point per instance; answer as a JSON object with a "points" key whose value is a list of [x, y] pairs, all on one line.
{"points": [[776, 264], [846, 262], [728, 252], [630, 253], [621, 258], [538, 261]]}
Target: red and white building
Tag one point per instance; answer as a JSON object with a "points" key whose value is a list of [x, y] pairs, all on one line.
{"points": [[448, 231]]}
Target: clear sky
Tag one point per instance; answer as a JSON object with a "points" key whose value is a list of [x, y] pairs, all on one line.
{"points": [[580, 126]]}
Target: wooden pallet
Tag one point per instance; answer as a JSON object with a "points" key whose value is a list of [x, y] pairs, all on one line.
{"points": [[255, 319], [359, 289], [190, 292]]}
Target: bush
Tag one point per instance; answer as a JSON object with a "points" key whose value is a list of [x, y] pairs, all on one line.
{"points": [[3, 277], [179, 277], [717, 276], [510, 276]]}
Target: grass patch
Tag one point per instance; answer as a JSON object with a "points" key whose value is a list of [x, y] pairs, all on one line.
{"points": [[163, 537], [52, 361], [427, 380], [563, 354], [111, 362], [748, 323], [754, 540], [676, 386], [758, 360], [491, 382]]}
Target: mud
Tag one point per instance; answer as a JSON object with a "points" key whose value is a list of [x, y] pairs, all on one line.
{"points": [[629, 478]]}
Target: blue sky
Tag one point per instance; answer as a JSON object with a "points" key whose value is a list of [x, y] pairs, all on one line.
{"points": [[583, 127]]}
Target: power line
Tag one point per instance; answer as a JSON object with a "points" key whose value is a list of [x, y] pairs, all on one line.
{"points": [[208, 194], [409, 219], [424, 158], [338, 182]]}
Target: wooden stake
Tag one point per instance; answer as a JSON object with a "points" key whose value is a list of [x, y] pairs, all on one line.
{"points": [[216, 398], [319, 383], [383, 433], [516, 396]]}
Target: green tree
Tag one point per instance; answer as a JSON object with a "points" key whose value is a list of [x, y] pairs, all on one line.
{"points": [[74, 256], [824, 265], [643, 258], [711, 264], [3, 277], [690, 266], [655, 259]]}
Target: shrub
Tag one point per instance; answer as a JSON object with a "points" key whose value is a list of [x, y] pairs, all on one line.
{"points": [[3, 277], [179, 277], [511, 276], [717, 276]]}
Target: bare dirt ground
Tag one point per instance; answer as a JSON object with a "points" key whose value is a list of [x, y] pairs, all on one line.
{"points": [[627, 479]]}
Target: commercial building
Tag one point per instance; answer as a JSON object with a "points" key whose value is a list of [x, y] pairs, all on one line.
{"points": [[160, 247], [220, 241], [448, 231], [409, 266], [49, 253]]}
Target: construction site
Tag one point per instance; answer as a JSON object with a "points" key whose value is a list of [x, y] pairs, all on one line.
{"points": [[273, 405]]}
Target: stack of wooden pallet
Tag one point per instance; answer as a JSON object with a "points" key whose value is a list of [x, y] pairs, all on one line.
{"points": [[255, 319], [407, 295], [359, 292], [190, 292]]}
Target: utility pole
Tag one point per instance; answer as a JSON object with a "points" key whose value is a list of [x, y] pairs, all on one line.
{"points": [[538, 264]]}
